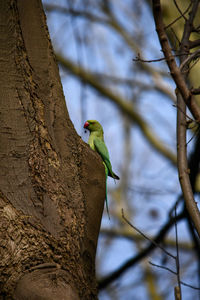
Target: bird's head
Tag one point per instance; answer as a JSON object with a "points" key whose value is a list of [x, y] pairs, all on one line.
{"points": [[93, 125]]}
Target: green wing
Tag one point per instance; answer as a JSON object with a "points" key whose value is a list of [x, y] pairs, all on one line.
{"points": [[103, 151]]}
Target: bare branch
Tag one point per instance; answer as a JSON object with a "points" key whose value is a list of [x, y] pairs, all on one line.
{"points": [[184, 172], [138, 58], [146, 237], [183, 93], [163, 267], [132, 236], [195, 91], [174, 70], [178, 18], [171, 271], [189, 285], [177, 255], [177, 293], [194, 55], [178, 8], [193, 44], [146, 251]]}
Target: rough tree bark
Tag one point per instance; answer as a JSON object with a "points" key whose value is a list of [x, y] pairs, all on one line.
{"points": [[52, 185]]}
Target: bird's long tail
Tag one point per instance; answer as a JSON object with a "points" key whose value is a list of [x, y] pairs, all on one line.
{"points": [[106, 171], [107, 200]]}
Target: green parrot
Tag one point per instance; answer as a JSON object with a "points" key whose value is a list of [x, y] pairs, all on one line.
{"points": [[96, 142]]}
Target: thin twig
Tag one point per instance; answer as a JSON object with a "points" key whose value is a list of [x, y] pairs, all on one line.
{"points": [[171, 212], [177, 273], [138, 58], [190, 286], [178, 18], [178, 8], [146, 251], [190, 58], [146, 237], [177, 39], [171, 271], [194, 134], [177, 256], [163, 267], [183, 112]]}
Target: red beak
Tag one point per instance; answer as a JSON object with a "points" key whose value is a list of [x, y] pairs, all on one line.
{"points": [[86, 124]]}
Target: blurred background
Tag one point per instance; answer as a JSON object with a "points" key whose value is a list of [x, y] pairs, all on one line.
{"points": [[105, 50]]}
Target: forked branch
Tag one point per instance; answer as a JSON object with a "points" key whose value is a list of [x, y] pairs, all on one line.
{"points": [[171, 62], [184, 97]]}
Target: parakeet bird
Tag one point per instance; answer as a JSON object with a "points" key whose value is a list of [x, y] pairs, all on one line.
{"points": [[96, 142]]}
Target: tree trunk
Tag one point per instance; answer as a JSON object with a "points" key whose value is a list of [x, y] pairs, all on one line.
{"points": [[52, 185]]}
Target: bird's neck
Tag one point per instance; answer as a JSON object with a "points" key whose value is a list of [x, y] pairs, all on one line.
{"points": [[98, 134]]}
